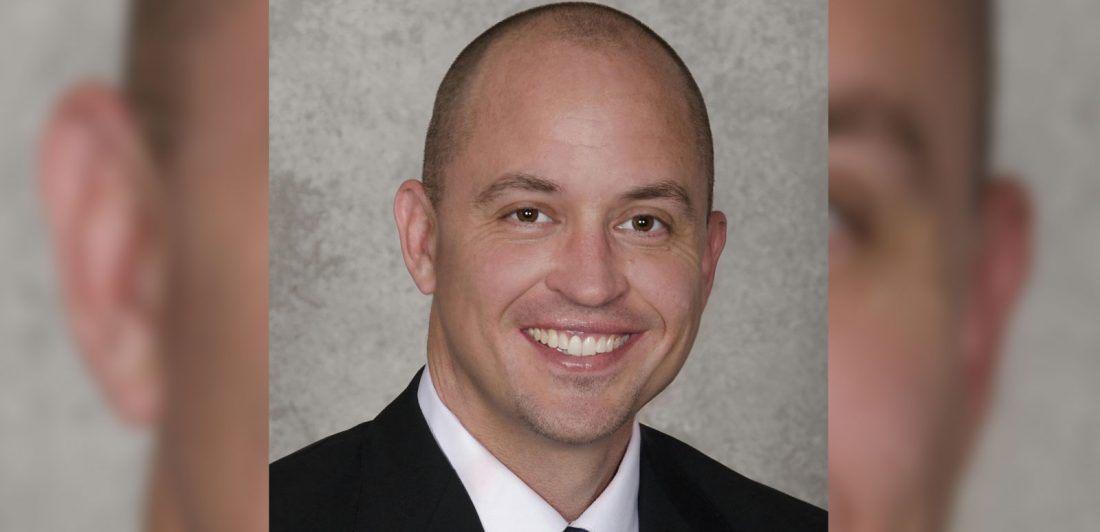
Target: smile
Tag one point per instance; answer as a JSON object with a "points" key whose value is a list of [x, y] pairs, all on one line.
{"points": [[578, 345]]}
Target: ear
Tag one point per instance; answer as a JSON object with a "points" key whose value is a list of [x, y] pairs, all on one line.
{"points": [[716, 242], [104, 212], [416, 225], [1000, 266]]}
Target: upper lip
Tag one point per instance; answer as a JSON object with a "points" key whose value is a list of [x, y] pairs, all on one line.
{"points": [[590, 327]]}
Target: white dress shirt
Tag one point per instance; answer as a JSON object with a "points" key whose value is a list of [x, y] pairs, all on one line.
{"points": [[504, 503]]}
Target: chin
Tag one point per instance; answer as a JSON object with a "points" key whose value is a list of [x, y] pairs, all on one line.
{"points": [[570, 425]]}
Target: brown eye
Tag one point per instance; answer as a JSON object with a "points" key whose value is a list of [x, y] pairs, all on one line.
{"points": [[643, 223], [529, 215]]}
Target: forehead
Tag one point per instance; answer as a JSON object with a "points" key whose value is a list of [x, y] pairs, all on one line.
{"points": [[579, 112], [914, 64]]}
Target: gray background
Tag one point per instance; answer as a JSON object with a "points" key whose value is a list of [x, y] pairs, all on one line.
{"points": [[352, 85]]}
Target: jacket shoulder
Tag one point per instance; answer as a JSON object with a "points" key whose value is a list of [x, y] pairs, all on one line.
{"points": [[742, 502], [318, 484]]}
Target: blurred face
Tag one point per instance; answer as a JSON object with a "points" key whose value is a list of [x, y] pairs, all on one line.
{"points": [[214, 428], [912, 320], [164, 267], [573, 256]]}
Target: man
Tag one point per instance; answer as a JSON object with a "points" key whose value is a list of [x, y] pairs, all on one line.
{"points": [[927, 255], [156, 195], [564, 229]]}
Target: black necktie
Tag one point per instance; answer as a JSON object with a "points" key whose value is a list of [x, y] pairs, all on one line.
{"points": [[574, 529]]}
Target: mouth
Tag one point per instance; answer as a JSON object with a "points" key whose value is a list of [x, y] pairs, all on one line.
{"points": [[577, 344]]}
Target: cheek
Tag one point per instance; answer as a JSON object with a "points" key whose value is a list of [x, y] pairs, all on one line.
{"points": [[893, 346], [668, 283], [486, 275], [894, 380]]}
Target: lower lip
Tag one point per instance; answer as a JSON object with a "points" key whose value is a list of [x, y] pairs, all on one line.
{"points": [[594, 364]]}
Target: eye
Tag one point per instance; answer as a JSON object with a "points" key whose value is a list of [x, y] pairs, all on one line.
{"points": [[645, 223], [529, 215]]}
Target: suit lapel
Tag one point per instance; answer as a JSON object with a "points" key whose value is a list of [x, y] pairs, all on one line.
{"points": [[667, 500], [656, 511], [408, 484]]}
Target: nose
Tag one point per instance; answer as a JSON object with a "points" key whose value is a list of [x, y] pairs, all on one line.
{"points": [[587, 269]]}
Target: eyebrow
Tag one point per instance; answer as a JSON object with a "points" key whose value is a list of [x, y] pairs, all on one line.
{"points": [[517, 181], [668, 190], [864, 113]]}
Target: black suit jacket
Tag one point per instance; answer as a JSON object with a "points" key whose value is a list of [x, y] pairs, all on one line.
{"points": [[390, 475]]}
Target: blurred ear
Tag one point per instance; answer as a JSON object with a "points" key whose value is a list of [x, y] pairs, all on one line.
{"points": [[716, 242], [104, 212], [1000, 267], [415, 218]]}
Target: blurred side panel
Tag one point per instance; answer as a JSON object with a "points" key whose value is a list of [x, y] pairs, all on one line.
{"points": [[65, 462], [1039, 464]]}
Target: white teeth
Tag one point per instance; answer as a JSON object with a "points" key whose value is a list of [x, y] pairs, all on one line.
{"points": [[589, 347], [576, 345]]}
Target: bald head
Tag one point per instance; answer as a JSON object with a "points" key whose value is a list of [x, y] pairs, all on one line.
{"points": [[591, 27]]}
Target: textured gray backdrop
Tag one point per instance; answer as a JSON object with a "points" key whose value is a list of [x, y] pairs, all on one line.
{"points": [[352, 85]]}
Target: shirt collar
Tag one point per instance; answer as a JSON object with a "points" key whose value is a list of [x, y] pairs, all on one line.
{"points": [[502, 500]]}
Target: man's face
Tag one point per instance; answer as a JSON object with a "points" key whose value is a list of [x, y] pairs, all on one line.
{"points": [[904, 218], [574, 215]]}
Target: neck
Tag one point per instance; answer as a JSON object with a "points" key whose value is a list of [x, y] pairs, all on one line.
{"points": [[567, 476], [568, 480]]}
